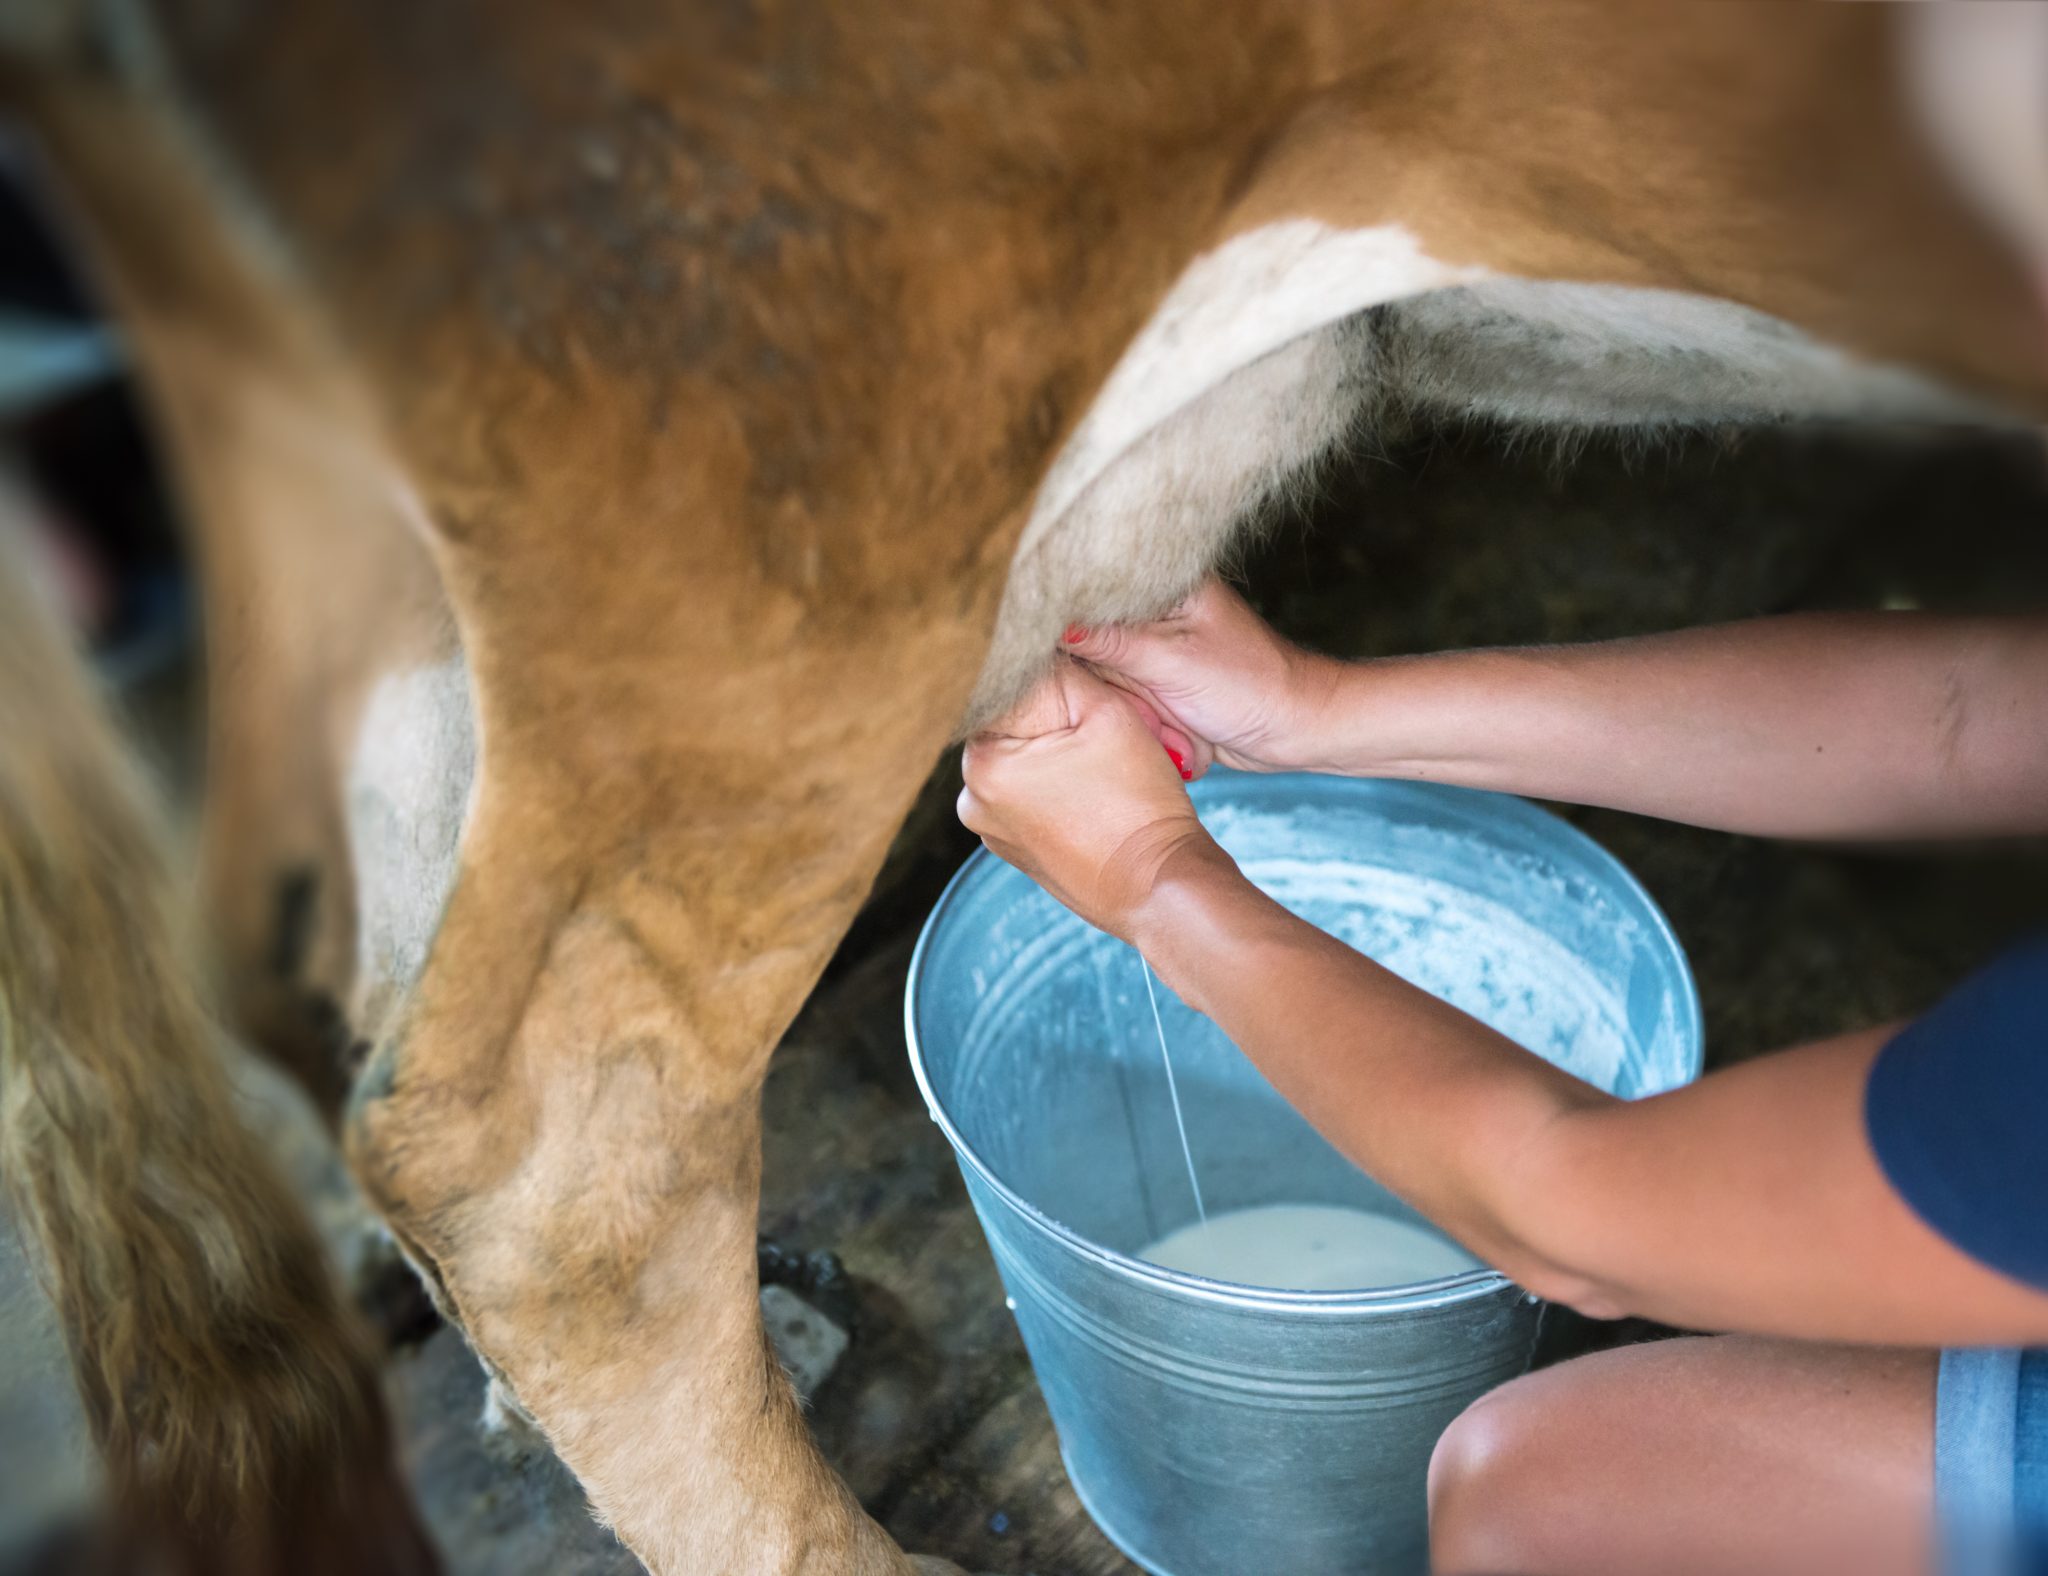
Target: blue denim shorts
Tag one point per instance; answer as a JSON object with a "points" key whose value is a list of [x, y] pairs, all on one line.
{"points": [[1991, 1461]]}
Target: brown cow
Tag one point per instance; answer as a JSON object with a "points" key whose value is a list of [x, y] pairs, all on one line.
{"points": [[622, 433]]}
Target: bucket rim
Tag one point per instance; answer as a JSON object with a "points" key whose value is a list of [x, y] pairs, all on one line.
{"points": [[1467, 1285]]}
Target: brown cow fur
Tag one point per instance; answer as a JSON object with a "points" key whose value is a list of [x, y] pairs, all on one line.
{"points": [[720, 351]]}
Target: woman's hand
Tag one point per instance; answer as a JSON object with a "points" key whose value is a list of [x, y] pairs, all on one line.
{"points": [[1213, 669], [1075, 789]]}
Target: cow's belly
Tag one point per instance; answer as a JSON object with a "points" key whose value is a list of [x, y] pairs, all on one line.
{"points": [[1295, 338], [1546, 353], [1273, 352]]}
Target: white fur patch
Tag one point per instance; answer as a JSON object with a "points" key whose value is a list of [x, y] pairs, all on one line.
{"points": [[1232, 307], [1236, 382], [408, 798], [1549, 352]]}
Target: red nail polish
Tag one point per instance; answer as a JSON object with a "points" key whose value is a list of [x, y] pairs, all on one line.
{"points": [[1075, 634], [1186, 776], [1179, 762]]}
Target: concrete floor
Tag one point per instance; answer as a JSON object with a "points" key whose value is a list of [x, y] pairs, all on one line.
{"points": [[1428, 541]]}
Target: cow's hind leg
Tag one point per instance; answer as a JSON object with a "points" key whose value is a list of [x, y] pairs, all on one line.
{"points": [[568, 1133], [680, 802]]}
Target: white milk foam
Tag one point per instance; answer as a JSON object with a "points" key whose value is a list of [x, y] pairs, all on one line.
{"points": [[1308, 1247], [1489, 960]]}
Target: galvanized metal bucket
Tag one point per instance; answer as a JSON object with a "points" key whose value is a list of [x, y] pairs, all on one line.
{"points": [[1219, 1430]]}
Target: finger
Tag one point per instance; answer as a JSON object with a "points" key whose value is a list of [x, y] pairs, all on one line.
{"points": [[1102, 701], [1146, 709], [1108, 643], [1145, 653], [1179, 746], [1180, 749], [1102, 643], [1156, 713], [1130, 686], [1136, 649], [1172, 739], [1092, 695], [1191, 753]]}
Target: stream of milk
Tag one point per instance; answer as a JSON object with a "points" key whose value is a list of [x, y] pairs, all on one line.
{"points": [[1293, 1247], [1173, 1089], [1297, 1247], [1308, 1247]]}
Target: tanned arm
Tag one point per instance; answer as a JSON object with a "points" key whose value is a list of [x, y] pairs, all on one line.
{"points": [[1824, 725], [1750, 1201]]}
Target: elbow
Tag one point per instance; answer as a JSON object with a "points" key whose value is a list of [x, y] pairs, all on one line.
{"points": [[1558, 1280], [1540, 1241], [1548, 1265]]}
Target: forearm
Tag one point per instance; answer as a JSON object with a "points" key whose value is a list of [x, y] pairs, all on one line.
{"points": [[1435, 1105], [1823, 725], [1752, 1201], [1748, 1201]]}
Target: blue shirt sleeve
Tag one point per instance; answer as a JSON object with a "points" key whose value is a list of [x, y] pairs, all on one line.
{"points": [[1957, 1112]]}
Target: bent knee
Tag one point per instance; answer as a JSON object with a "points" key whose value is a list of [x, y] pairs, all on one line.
{"points": [[1486, 1485]]}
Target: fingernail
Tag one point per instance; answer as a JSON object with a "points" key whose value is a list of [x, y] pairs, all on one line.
{"points": [[1075, 634], [1179, 763]]}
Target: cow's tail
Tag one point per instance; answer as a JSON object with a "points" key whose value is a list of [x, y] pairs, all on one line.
{"points": [[233, 1398]]}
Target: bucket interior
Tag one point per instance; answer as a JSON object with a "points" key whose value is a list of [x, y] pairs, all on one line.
{"points": [[1034, 1037]]}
